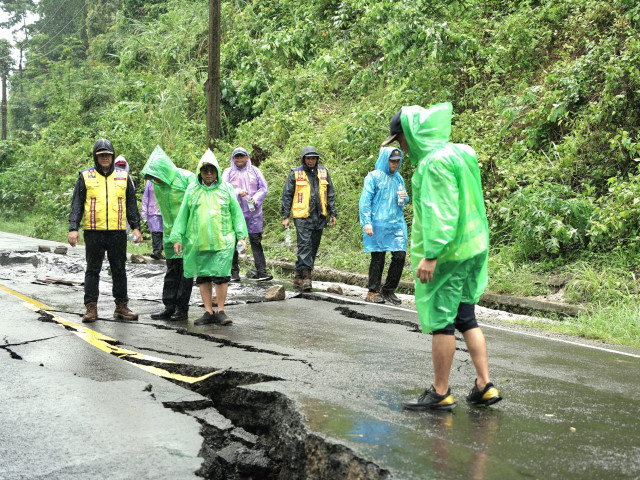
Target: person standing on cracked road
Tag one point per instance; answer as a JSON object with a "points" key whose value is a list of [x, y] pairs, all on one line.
{"points": [[205, 232], [170, 184], [383, 225], [449, 248], [308, 195], [105, 197], [151, 214], [251, 189]]}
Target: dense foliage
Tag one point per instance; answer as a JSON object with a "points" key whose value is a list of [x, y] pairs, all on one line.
{"points": [[546, 91]]}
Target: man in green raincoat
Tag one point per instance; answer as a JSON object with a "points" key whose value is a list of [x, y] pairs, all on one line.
{"points": [[170, 184], [204, 233], [449, 247]]}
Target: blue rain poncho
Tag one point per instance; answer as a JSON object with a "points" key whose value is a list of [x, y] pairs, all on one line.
{"points": [[207, 225], [449, 218], [379, 207]]}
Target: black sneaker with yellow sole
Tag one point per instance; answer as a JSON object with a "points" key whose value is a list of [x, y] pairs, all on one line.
{"points": [[485, 397], [430, 400]]}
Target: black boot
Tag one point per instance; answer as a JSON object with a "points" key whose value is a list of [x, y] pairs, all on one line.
{"points": [[164, 314]]}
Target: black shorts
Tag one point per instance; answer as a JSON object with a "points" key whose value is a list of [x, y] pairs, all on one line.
{"points": [[216, 280], [465, 320]]}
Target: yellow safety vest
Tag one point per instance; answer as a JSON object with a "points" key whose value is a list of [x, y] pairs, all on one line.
{"points": [[302, 194], [105, 206]]}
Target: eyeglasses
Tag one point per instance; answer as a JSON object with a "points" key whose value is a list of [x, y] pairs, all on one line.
{"points": [[240, 155]]}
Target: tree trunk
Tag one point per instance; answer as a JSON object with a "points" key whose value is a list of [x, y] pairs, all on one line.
{"points": [[4, 106]]}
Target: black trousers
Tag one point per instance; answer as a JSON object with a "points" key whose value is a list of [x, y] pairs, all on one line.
{"points": [[114, 243], [176, 291], [255, 240], [308, 244], [156, 242], [393, 274]]}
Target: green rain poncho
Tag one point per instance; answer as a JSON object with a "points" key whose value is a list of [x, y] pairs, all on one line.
{"points": [[208, 223], [169, 194], [450, 222]]}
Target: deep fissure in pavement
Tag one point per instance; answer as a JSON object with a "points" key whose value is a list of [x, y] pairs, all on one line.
{"points": [[261, 435], [351, 313]]}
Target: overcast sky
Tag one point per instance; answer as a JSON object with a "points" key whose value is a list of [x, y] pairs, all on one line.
{"points": [[5, 33]]}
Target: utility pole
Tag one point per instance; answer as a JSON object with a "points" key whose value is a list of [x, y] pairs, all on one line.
{"points": [[213, 80]]}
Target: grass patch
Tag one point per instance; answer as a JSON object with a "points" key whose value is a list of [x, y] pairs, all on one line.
{"points": [[616, 324]]}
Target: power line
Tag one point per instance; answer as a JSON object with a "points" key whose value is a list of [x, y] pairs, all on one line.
{"points": [[60, 31]]}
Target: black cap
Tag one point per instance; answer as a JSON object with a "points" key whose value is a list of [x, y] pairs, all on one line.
{"points": [[395, 155], [395, 127]]}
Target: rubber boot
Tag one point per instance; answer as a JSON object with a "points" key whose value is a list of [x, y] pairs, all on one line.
{"points": [[306, 280], [92, 313], [122, 311]]}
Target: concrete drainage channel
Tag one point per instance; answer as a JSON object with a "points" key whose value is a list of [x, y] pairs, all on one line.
{"points": [[260, 435]]}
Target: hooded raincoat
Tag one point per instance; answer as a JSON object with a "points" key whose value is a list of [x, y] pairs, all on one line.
{"points": [[379, 207], [208, 223], [251, 180], [149, 208], [450, 222], [169, 194]]}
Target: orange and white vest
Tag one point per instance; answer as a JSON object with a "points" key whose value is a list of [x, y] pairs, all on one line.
{"points": [[105, 206], [302, 194]]}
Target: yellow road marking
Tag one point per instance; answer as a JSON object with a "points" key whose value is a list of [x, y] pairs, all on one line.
{"points": [[107, 344]]}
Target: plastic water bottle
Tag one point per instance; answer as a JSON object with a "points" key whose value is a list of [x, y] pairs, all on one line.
{"points": [[239, 248], [132, 237], [400, 200], [251, 206], [287, 237]]}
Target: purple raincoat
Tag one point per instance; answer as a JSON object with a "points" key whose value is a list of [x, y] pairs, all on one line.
{"points": [[251, 180], [150, 211]]}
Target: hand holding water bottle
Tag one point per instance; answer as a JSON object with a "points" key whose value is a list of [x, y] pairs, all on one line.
{"points": [[135, 236], [402, 195], [241, 248], [287, 236]]}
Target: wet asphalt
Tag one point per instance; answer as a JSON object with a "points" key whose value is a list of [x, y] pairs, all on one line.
{"points": [[570, 410]]}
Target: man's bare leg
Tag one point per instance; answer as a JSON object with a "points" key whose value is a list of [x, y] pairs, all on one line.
{"points": [[221, 295], [206, 293], [443, 348], [477, 347]]}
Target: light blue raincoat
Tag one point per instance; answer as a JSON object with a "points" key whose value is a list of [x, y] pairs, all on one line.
{"points": [[379, 207]]}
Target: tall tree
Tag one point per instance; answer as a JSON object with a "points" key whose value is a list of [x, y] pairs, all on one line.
{"points": [[18, 11], [6, 63]]}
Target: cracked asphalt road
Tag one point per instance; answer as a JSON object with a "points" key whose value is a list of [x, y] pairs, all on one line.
{"points": [[76, 411]]}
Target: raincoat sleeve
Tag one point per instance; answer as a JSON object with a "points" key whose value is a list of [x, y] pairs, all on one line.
{"points": [[366, 199], [331, 198], [133, 215], [144, 205], [237, 217], [180, 223], [440, 206], [262, 187], [77, 204], [287, 195]]}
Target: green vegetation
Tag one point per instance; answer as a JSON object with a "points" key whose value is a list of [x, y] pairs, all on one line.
{"points": [[546, 91]]}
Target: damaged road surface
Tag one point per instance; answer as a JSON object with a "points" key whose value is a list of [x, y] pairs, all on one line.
{"points": [[308, 387]]}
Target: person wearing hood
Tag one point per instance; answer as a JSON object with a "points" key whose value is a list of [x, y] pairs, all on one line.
{"points": [[449, 248], [383, 225], [169, 184], [151, 214], [251, 189], [309, 196], [121, 163], [105, 196], [205, 232]]}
